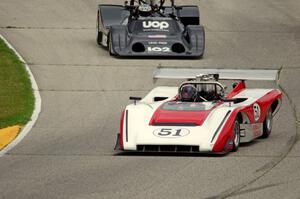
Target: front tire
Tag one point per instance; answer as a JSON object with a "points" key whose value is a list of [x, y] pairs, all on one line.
{"points": [[237, 135], [196, 38], [110, 48], [203, 42], [99, 34], [99, 38], [267, 125]]}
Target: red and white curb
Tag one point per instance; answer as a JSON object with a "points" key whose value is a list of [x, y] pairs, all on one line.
{"points": [[37, 105]]}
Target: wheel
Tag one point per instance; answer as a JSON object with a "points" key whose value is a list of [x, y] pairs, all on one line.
{"points": [[99, 38], [203, 48], [110, 49], [195, 36], [267, 125], [99, 34], [237, 135]]}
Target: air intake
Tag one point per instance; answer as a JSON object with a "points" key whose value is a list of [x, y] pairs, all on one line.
{"points": [[138, 47], [178, 48], [168, 148]]}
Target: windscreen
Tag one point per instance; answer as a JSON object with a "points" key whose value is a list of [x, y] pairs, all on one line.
{"points": [[187, 106]]}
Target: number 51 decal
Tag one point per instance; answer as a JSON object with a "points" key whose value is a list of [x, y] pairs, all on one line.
{"points": [[171, 133]]}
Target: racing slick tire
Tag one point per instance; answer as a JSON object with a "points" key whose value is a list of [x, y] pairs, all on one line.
{"points": [[237, 135], [203, 38], [99, 34], [99, 38], [196, 37], [110, 48], [267, 125], [117, 39]]}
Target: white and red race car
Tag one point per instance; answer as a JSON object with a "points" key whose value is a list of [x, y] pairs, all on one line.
{"points": [[198, 116]]}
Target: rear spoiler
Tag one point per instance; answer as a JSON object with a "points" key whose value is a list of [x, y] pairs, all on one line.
{"points": [[224, 74]]}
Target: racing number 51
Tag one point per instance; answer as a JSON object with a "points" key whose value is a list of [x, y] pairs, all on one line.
{"points": [[166, 132]]}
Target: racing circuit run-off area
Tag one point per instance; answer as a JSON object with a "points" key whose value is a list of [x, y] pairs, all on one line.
{"points": [[154, 99]]}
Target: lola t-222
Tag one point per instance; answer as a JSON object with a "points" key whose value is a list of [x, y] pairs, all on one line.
{"points": [[197, 116]]}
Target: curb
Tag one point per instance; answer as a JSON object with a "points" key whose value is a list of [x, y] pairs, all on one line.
{"points": [[37, 104], [8, 134]]}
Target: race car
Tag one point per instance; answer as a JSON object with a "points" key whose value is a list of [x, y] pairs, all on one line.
{"points": [[149, 28], [199, 116]]}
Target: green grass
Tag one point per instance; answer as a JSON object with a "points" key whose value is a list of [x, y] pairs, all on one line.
{"points": [[16, 94]]}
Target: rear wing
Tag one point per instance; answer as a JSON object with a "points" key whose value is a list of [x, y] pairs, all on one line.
{"points": [[224, 74]]}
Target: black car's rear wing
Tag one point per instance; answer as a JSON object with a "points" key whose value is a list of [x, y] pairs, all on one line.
{"points": [[224, 74]]}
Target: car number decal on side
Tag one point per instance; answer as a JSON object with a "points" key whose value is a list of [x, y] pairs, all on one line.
{"points": [[171, 133], [256, 112]]}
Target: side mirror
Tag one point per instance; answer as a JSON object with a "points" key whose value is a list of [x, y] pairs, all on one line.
{"points": [[135, 99]]}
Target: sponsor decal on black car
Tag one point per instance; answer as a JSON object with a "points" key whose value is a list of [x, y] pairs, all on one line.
{"points": [[156, 26], [157, 48], [157, 36]]}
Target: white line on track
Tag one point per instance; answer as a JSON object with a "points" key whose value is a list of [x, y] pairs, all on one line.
{"points": [[37, 104]]}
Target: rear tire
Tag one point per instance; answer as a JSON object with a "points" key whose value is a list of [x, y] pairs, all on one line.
{"points": [[237, 135], [267, 125]]}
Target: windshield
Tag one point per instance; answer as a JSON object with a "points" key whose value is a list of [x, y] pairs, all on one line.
{"points": [[187, 106]]}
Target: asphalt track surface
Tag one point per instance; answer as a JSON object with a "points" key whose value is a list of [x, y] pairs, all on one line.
{"points": [[69, 152]]}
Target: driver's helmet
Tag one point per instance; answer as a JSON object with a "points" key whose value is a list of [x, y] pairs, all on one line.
{"points": [[145, 8], [188, 93]]}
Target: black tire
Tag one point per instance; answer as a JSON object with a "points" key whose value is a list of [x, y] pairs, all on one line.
{"points": [[110, 49], [99, 38], [237, 135], [99, 34], [203, 42], [200, 32], [267, 125]]}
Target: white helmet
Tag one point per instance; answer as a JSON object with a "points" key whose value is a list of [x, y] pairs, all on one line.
{"points": [[144, 8], [151, 2]]}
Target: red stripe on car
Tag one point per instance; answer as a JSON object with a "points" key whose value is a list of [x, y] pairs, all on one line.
{"points": [[121, 130]]}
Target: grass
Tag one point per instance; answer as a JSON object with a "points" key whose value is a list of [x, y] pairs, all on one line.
{"points": [[16, 94]]}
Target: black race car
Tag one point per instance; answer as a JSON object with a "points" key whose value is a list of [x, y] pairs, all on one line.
{"points": [[148, 28]]}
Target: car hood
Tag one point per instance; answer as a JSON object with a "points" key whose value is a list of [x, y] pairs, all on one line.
{"points": [[180, 117]]}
